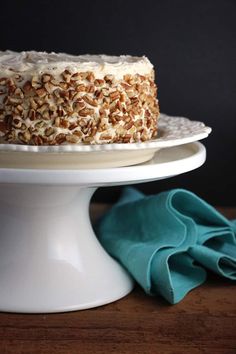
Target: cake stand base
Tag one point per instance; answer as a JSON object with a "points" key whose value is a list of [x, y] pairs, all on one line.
{"points": [[50, 259]]}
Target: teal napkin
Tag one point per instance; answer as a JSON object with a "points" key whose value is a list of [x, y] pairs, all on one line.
{"points": [[168, 241]]}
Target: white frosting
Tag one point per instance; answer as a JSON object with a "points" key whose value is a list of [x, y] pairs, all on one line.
{"points": [[33, 63]]}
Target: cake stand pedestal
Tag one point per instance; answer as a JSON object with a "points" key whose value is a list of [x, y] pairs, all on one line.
{"points": [[50, 259]]}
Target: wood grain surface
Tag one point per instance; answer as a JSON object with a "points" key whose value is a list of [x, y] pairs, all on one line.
{"points": [[204, 322]]}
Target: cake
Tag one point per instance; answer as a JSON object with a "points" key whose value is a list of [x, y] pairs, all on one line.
{"points": [[56, 98]]}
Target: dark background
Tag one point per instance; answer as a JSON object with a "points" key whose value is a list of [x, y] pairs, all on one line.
{"points": [[192, 45]]}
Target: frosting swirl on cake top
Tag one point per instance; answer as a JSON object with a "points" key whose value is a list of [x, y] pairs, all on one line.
{"points": [[32, 62]]}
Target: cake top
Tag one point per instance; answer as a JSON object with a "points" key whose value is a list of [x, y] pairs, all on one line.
{"points": [[32, 62]]}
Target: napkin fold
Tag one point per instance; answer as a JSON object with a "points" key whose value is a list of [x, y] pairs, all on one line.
{"points": [[169, 240]]}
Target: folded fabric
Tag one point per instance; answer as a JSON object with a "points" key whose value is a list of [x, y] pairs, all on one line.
{"points": [[168, 241]]}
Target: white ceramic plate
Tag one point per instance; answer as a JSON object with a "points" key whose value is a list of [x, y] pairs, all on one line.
{"points": [[172, 131]]}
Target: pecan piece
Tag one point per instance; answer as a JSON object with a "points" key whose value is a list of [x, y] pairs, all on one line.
{"points": [[98, 94], [49, 131], [90, 89], [32, 114], [77, 133], [33, 104], [16, 123], [24, 137], [35, 82], [126, 138], [57, 121], [40, 124], [14, 101], [60, 138], [49, 87], [90, 101], [27, 87], [126, 86], [109, 79], [46, 77], [72, 138], [41, 92], [80, 88], [37, 140], [73, 126], [64, 123], [18, 92], [63, 85], [86, 111], [75, 77], [3, 127], [105, 137], [128, 125], [67, 75], [99, 82], [114, 95], [90, 77]]}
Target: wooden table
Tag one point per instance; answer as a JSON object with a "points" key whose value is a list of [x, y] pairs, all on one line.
{"points": [[204, 322]]}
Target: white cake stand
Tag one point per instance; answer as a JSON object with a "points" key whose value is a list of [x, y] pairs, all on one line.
{"points": [[50, 259]]}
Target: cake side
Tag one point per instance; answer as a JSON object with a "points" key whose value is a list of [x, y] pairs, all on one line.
{"points": [[53, 99]]}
